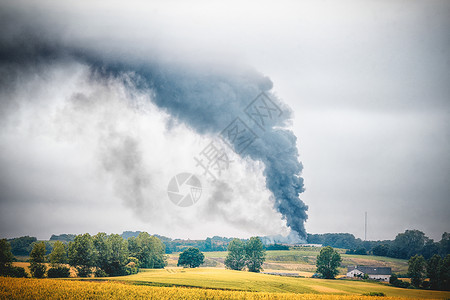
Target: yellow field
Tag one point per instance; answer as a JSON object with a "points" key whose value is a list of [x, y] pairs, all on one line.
{"points": [[20, 288], [215, 278]]}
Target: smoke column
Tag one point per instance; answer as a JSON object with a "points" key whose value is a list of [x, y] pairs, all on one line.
{"points": [[206, 99]]}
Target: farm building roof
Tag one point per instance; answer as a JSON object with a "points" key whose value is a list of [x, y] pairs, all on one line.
{"points": [[371, 270]]}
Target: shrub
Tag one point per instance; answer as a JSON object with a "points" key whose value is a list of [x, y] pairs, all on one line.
{"points": [[38, 270], [397, 282], [12, 271], [378, 294], [100, 273], [131, 268], [58, 272]]}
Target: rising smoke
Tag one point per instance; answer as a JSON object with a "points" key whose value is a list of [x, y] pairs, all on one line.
{"points": [[205, 98], [208, 100]]}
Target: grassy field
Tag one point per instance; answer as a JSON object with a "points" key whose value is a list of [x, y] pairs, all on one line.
{"points": [[208, 280], [215, 282], [215, 278], [303, 259], [18, 288]]}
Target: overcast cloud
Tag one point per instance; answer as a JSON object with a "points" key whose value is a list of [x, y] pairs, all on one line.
{"points": [[368, 83]]}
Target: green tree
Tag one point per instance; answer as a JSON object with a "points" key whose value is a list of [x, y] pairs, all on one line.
{"points": [[22, 245], [433, 265], [58, 256], [235, 259], [37, 259], [444, 273], [381, 250], [82, 254], [255, 254], [6, 257], [416, 270], [444, 244], [407, 244], [148, 249], [103, 251], [328, 262], [119, 255], [133, 246], [191, 257]]}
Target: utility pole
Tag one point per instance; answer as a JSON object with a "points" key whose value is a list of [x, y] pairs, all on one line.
{"points": [[365, 226]]}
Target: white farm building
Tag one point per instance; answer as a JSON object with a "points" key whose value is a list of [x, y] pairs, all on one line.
{"points": [[376, 273]]}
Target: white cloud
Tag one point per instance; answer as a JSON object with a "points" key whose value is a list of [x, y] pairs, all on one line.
{"points": [[85, 152]]}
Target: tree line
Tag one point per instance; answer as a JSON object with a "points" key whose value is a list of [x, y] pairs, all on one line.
{"points": [[405, 245], [101, 255], [436, 269]]}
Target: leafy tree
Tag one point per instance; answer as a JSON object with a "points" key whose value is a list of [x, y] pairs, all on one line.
{"points": [[133, 246], [57, 258], [148, 249], [208, 245], [255, 254], [82, 254], [37, 258], [111, 253], [22, 245], [102, 251], [444, 244], [433, 265], [444, 273], [416, 270], [338, 240], [58, 255], [328, 262], [6, 257], [191, 257], [381, 250], [118, 256], [407, 244], [429, 249], [361, 251], [235, 259]]}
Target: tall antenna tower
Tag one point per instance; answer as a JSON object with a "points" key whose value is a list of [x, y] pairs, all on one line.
{"points": [[365, 226]]}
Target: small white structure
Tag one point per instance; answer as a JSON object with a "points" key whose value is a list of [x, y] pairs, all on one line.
{"points": [[376, 273]]}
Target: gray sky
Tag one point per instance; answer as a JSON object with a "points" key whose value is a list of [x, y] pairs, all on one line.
{"points": [[368, 83]]}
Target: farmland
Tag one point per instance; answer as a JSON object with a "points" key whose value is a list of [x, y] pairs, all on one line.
{"points": [[215, 278], [17, 288], [252, 287], [303, 261], [212, 280]]}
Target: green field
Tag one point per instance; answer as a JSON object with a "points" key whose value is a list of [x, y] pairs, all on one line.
{"points": [[215, 278], [303, 260]]}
